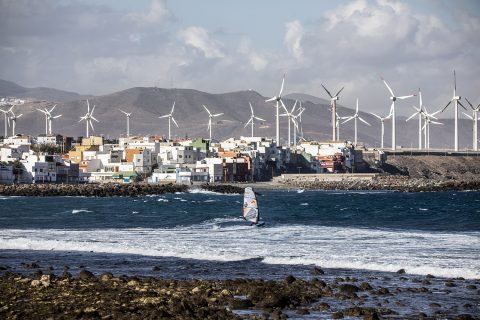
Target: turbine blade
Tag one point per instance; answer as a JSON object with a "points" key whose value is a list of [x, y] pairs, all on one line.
{"points": [[167, 115], [207, 109], [251, 108], [57, 116], [88, 106], [388, 87], [359, 118], [435, 122], [446, 106], [461, 105], [468, 116], [348, 119], [91, 117], [283, 105], [339, 92], [294, 106], [92, 110], [413, 115], [271, 99], [283, 82], [218, 114], [327, 91], [356, 108], [454, 80], [405, 97], [260, 119], [123, 112], [91, 125], [173, 107], [52, 108], [471, 106], [376, 115], [173, 119], [249, 121]]}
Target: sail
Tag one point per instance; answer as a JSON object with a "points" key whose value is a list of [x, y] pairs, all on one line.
{"points": [[250, 206]]}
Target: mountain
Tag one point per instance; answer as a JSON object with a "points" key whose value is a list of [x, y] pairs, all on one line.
{"points": [[11, 89], [147, 104]]}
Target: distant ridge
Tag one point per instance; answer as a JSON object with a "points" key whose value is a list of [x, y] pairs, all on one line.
{"points": [[148, 103]]}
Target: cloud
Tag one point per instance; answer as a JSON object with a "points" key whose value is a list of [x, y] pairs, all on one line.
{"points": [[293, 38], [159, 13], [198, 38]]}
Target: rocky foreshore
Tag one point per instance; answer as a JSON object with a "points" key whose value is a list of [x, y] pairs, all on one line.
{"points": [[86, 296], [89, 190], [394, 183]]}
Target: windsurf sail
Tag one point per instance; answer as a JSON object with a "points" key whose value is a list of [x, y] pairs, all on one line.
{"points": [[250, 206]]}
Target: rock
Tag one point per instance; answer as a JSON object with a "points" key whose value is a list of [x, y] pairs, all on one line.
{"points": [[46, 280], [464, 317], [106, 276], [450, 284], [303, 311], [471, 287], [156, 268], [322, 306], [365, 286], [317, 271], [337, 315], [132, 283], [429, 276], [35, 283], [196, 290], [349, 289], [240, 304], [275, 300], [434, 305], [85, 275], [290, 279], [401, 271], [226, 293]]}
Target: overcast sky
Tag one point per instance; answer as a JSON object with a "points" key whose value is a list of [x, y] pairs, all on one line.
{"points": [[102, 46]]}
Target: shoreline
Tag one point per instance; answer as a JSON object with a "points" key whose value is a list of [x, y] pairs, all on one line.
{"points": [[385, 183], [78, 292]]}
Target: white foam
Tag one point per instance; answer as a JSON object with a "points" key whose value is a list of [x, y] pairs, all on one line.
{"points": [[304, 204], [231, 239], [74, 211], [201, 191]]}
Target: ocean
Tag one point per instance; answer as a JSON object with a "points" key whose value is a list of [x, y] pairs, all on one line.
{"points": [[361, 236]]}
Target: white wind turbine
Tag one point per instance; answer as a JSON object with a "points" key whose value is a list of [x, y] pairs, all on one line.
{"points": [[88, 117], [474, 117], [48, 119], [14, 118], [279, 101], [421, 114], [382, 120], [338, 124], [355, 117], [333, 105], [170, 118], [393, 97], [128, 114], [426, 127], [456, 102], [210, 116], [252, 117], [7, 120], [297, 121], [290, 118]]}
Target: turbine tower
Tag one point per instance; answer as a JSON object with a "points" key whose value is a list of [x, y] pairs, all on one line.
{"points": [[279, 101], [421, 114], [393, 97], [333, 106], [14, 118], [252, 117], [297, 121], [210, 116], [426, 126], [170, 119], [456, 102], [356, 116], [290, 118], [88, 117], [382, 120], [7, 120], [474, 117], [128, 114]]}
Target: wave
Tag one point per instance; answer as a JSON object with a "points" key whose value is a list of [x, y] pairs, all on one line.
{"points": [[231, 239], [75, 211], [201, 191]]}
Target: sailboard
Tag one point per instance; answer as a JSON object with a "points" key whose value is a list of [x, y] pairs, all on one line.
{"points": [[250, 207]]}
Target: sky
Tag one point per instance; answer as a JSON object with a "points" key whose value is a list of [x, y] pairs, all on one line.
{"points": [[102, 46]]}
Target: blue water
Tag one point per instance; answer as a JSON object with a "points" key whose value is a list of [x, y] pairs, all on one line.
{"points": [[433, 232]]}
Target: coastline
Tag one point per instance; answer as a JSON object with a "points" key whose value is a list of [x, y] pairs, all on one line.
{"points": [[391, 183], [293, 291]]}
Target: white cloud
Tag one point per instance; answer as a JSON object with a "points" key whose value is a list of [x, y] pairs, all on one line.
{"points": [[293, 38], [159, 13], [198, 38]]}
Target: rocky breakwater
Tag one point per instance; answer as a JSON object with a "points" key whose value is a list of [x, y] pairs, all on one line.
{"points": [[223, 188], [391, 182], [89, 190], [87, 296]]}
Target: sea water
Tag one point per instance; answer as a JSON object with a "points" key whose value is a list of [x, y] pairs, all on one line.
{"points": [[190, 233]]}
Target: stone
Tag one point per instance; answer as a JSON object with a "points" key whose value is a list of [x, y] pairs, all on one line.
{"points": [[401, 271], [85, 275]]}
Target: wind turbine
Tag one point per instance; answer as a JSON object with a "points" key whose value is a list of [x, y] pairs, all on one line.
{"points": [[382, 120], [14, 118], [456, 102], [88, 117], [128, 114], [393, 97], [170, 118], [338, 124], [252, 117], [421, 114], [210, 116], [333, 105], [297, 119], [356, 116], [7, 120], [474, 117], [290, 118], [48, 119], [279, 101], [426, 126]]}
